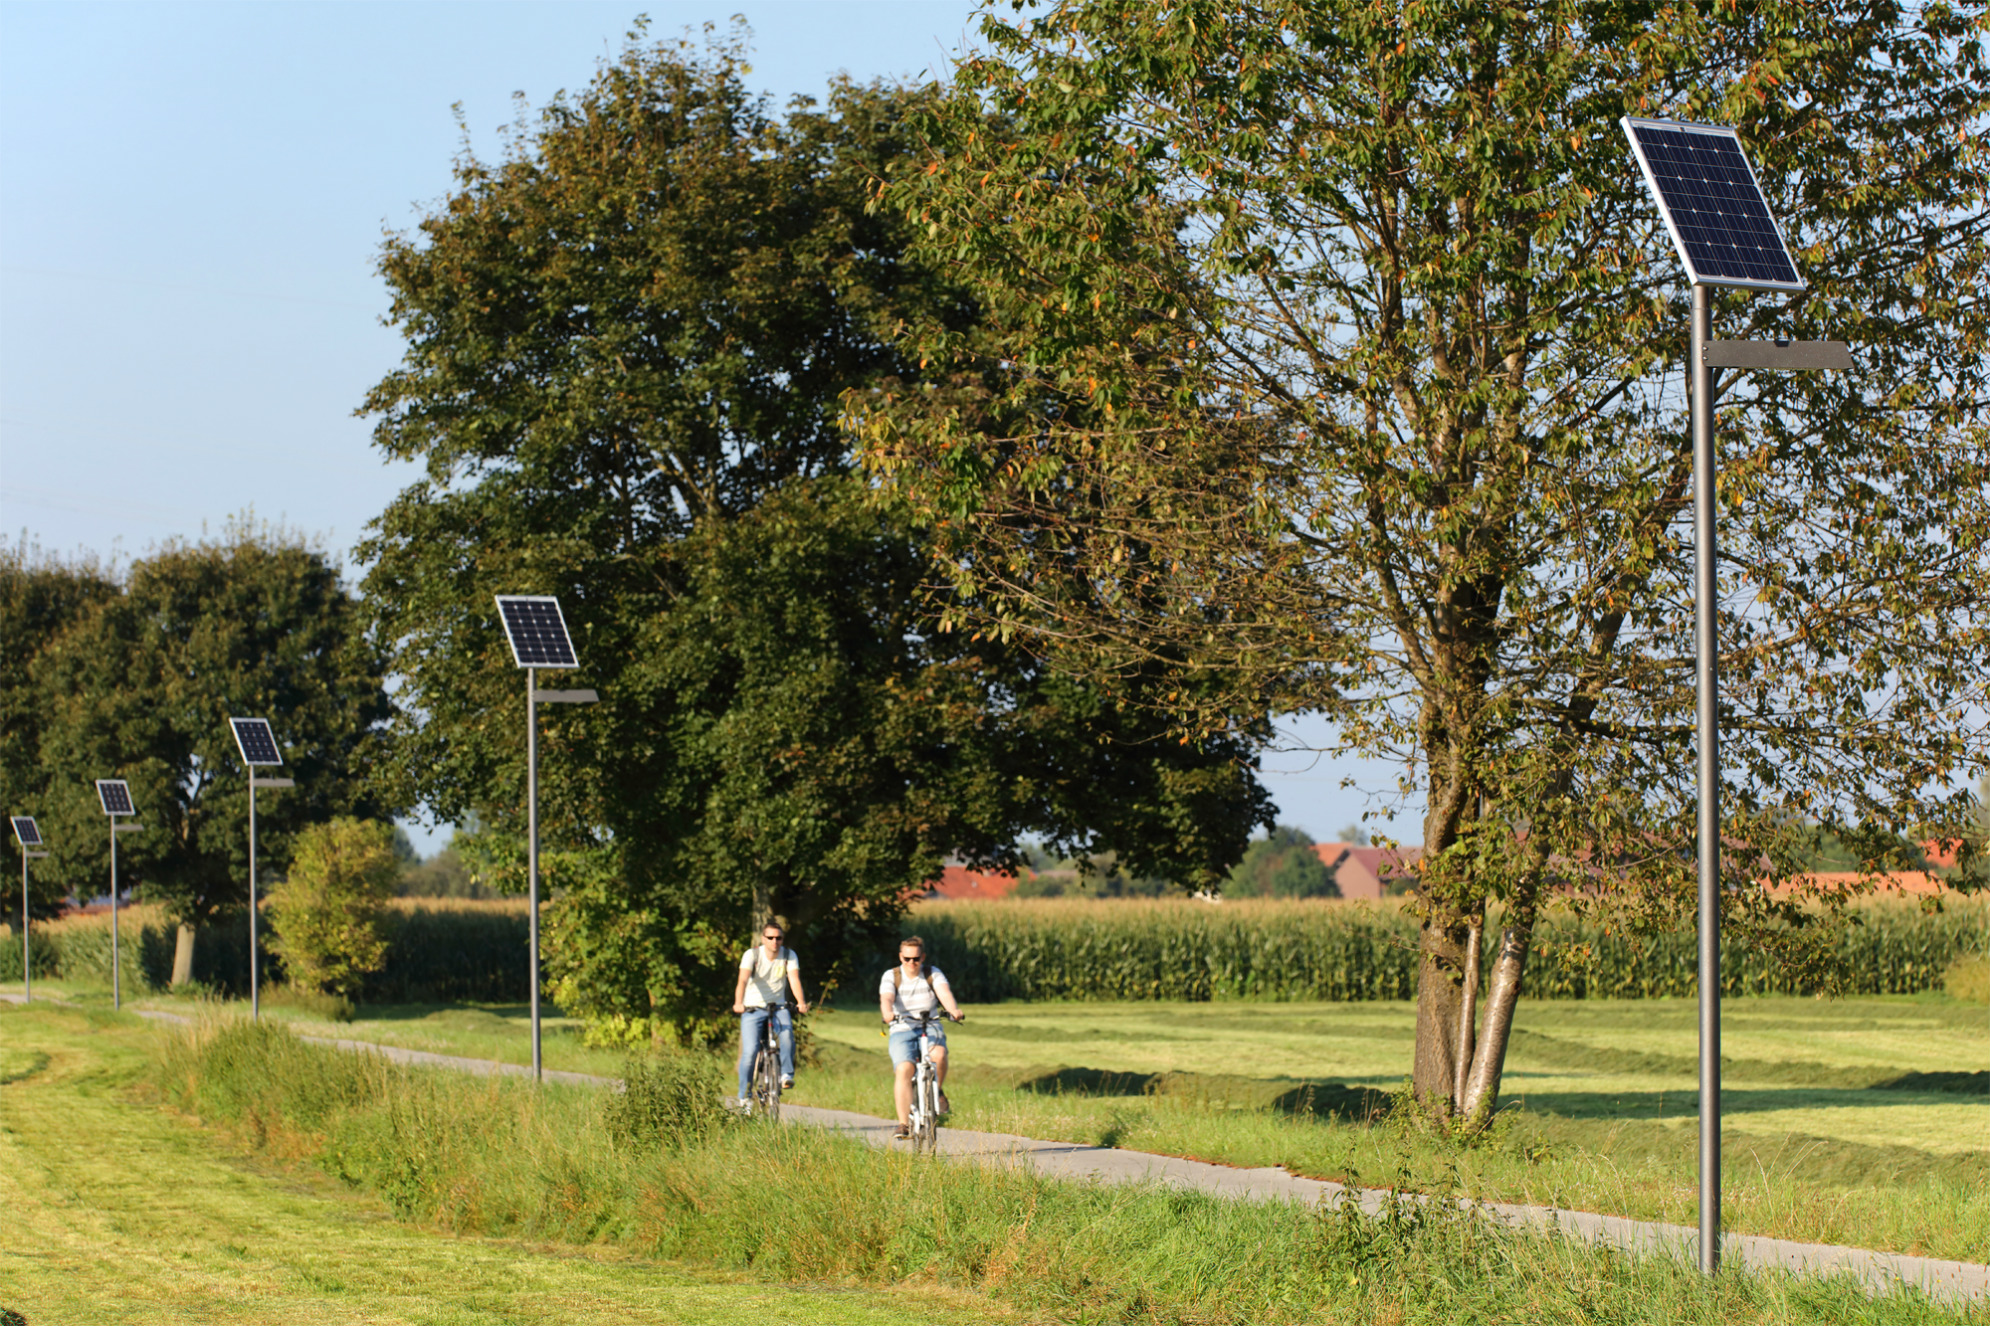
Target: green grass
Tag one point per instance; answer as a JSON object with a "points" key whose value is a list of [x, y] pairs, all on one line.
{"points": [[1601, 1098], [119, 1212], [799, 1204]]}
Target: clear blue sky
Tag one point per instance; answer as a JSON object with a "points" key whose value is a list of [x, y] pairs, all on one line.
{"points": [[191, 200]]}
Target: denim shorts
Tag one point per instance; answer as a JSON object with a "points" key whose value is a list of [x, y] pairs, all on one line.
{"points": [[905, 1040]]}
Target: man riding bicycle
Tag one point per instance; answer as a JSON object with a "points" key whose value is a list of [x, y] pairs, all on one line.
{"points": [[768, 975], [909, 993]]}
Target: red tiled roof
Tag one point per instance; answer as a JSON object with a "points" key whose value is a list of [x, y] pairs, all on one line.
{"points": [[960, 882], [1363, 873]]}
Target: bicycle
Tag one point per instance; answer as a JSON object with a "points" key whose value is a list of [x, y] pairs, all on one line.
{"points": [[764, 1086], [925, 1114]]}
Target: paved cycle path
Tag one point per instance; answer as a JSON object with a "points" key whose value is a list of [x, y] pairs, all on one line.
{"points": [[1950, 1281]]}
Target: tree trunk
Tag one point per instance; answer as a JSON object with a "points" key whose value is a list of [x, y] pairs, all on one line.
{"points": [[183, 955], [1459, 1067], [1481, 1094], [1440, 997]]}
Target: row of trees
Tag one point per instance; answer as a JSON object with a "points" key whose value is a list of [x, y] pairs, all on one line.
{"points": [[134, 674]]}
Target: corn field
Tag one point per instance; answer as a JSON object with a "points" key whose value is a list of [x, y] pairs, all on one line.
{"points": [[439, 951], [1086, 950], [446, 950]]}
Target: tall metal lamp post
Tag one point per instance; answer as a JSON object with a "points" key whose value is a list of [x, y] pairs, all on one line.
{"points": [[1725, 236], [538, 635], [114, 795], [28, 834], [258, 746]]}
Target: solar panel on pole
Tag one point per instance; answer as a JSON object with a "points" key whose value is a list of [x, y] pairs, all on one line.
{"points": [[256, 742], [537, 631], [1713, 205], [538, 636], [114, 794], [1725, 234], [28, 834]]}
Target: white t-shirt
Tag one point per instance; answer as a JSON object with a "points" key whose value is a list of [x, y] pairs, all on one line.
{"points": [[767, 980], [914, 995]]}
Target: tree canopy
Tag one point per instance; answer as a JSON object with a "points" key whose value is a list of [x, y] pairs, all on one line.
{"points": [[1329, 359], [626, 344], [138, 682]]}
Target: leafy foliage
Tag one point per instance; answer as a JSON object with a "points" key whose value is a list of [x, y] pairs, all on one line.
{"points": [[137, 680], [327, 918], [1282, 864], [41, 599], [1327, 361], [667, 1101], [626, 344]]}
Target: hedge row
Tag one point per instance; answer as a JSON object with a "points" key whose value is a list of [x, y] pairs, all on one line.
{"points": [[439, 952], [1083, 950]]}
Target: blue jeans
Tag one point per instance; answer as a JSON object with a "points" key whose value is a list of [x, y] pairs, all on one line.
{"points": [[749, 1041]]}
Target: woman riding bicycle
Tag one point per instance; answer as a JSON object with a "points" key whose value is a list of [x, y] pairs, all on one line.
{"points": [[768, 975], [907, 995]]}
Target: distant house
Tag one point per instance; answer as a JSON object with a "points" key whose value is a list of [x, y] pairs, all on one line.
{"points": [[1365, 874], [1904, 883], [960, 882]]}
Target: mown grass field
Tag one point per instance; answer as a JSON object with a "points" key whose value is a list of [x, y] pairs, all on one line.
{"points": [[510, 1203], [119, 1211], [1860, 1121]]}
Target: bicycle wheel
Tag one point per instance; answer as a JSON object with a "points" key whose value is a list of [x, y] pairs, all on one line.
{"points": [[767, 1084], [926, 1117]]}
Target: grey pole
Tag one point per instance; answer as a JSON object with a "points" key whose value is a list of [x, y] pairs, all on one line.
{"points": [[27, 990], [255, 978], [1708, 694], [532, 843], [117, 996]]}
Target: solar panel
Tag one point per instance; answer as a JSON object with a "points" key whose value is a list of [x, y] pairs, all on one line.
{"points": [[256, 742], [537, 632], [25, 831], [115, 795], [1712, 204]]}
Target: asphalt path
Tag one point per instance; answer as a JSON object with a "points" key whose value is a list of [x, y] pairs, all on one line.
{"points": [[1949, 1281]]}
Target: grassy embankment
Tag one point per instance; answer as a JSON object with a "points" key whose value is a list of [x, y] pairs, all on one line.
{"points": [[1856, 1121], [118, 1211], [664, 1177]]}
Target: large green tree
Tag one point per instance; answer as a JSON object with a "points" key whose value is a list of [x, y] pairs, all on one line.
{"points": [[141, 687], [1330, 360], [41, 599], [627, 341]]}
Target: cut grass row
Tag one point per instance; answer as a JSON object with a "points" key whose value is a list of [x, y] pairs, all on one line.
{"points": [[120, 1212], [497, 1157]]}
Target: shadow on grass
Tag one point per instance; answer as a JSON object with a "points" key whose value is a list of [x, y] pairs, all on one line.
{"points": [[1279, 1096]]}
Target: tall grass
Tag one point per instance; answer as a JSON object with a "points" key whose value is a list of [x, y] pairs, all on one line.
{"points": [[1249, 949], [500, 1157]]}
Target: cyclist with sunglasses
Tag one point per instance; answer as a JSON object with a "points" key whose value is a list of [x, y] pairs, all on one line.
{"points": [[909, 993], [768, 975]]}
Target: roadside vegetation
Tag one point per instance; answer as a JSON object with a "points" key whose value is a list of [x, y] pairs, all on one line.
{"points": [[1855, 1121], [499, 1158]]}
